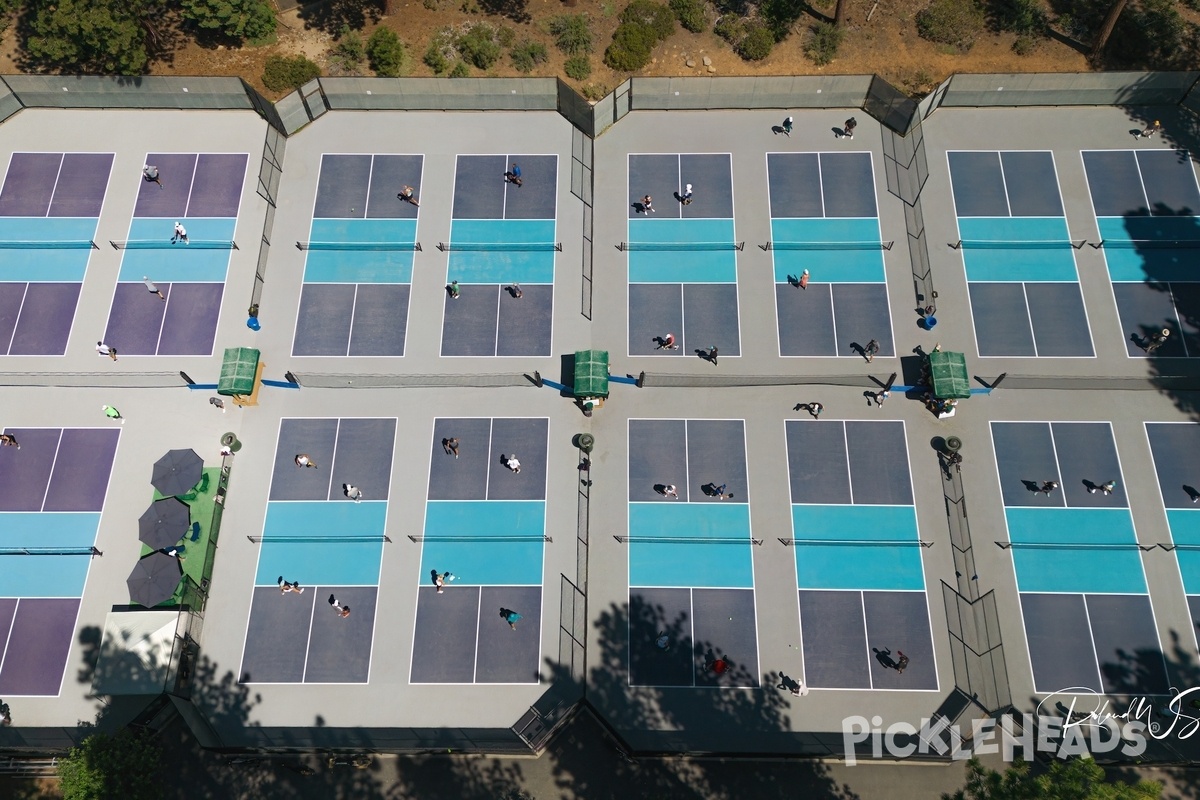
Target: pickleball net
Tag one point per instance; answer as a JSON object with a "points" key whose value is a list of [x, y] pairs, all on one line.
{"points": [[167, 244], [448, 538], [1018, 244], [49, 551], [683, 540], [66, 244], [1147, 244], [500, 247], [678, 247], [793, 542], [1075, 546], [855, 245], [377, 246], [317, 539]]}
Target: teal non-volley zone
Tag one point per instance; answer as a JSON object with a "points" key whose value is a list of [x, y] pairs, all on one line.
{"points": [[493, 262], [151, 252], [59, 264], [691, 544], [659, 250], [824, 217], [1173, 445], [331, 543], [488, 542]]}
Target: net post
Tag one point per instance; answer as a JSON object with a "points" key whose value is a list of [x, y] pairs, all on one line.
{"points": [[765, 246], [1167, 547], [621, 246], [956, 245], [413, 539], [888, 245], [786, 542], [1098, 245], [299, 245], [739, 246], [417, 247], [1004, 545]]}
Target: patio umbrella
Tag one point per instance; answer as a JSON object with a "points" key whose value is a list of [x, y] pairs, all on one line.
{"points": [[177, 471], [154, 579], [164, 523]]}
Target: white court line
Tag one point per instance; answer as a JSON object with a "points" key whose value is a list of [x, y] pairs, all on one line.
{"points": [[312, 614], [478, 619], [57, 176], [367, 199], [192, 184], [353, 310], [53, 463]]}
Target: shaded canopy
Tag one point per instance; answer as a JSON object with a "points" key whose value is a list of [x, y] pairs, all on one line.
{"points": [[154, 579], [591, 373], [177, 471], [948, 375], [164, 523]]}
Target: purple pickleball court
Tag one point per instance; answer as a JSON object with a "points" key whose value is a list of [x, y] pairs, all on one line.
{"points": [[39, 643], [141, 323]]}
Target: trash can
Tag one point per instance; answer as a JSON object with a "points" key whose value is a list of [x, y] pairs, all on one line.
{"points": [[231, 441]]}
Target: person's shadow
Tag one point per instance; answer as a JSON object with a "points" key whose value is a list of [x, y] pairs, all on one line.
{"points": [[1192, 493], [1140, 341], [1091, 487], [789, 683], [661, 343], [870, 397], [838, 133], [778, 129], [1135, 133], [1032, 486], [661, 488], [639, 207], [858, 348], [884, 657], [704, 355]]}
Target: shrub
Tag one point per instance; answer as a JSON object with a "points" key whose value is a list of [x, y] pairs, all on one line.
{"points": [[480, 45], [436, 58], [461, 70], [1152, 35], [281, 74], [957, 23], [595, 91], [643, 25], [823, 45], [578, 67], [386, 53], [349, 51], [1024, 45], [780, 15], [653, 16], [527, 55], [757, 43], [690, 14], [124, 765], [571, 33], [731, 28], [1022, 17]]}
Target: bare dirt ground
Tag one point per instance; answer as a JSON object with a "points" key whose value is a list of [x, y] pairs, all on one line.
{"points": [[886, 45]]}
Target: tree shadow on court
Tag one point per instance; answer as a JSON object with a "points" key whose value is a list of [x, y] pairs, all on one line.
{"points": [[332, 16], [646, 720], [1175, 376]]}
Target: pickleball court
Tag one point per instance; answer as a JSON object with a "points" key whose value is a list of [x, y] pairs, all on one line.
{"points": [[859, 557], [691, 570], [52, 492], [501, 236], [825, 219], [49, 210]]}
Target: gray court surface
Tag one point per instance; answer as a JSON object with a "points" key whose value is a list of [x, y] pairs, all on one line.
{"points": [[833, 462], [690, 454], [479, 473], [700, 625], [1175, 446], [356, 451], [481, 191], [1128, 183], [362, 186], [486, 320], [665, 178], [347, 319], [1078, 455], [821, 185], [699, 314], [461, 638], [1149, 307], [1005, 184], [827, 319], [296, 638]]}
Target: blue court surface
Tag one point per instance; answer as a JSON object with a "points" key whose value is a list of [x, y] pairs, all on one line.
{"points": [[691, 572], [1173, 446], [1079, 572], [201, 191], [682, 254], [52, 492], [359, 257], [56, 199], [859, 560], [825, 220], [485, 525], [333, 547], [1146, 205], [1018, 255], [502, 252]]}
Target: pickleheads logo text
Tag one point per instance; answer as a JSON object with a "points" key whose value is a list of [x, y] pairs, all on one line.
{"points": [[1071, 722]]}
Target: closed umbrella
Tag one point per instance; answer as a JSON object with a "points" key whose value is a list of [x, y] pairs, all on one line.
{"points": [[177, 471], [154, 579], [164, 523]]}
